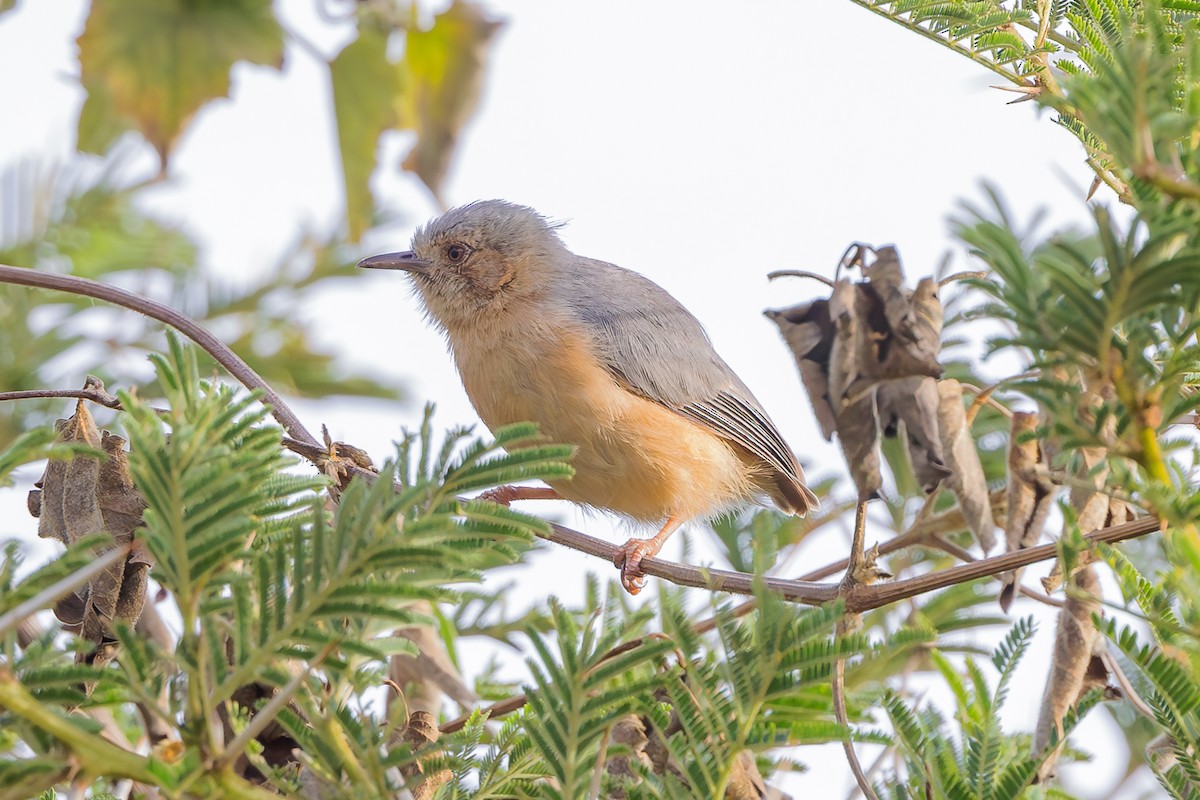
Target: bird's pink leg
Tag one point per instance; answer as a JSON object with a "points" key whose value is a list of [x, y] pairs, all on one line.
{"points": [[507, 494], [629, 556]]}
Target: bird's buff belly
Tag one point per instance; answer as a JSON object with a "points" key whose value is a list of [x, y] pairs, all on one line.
{"points": [[633, 455]]}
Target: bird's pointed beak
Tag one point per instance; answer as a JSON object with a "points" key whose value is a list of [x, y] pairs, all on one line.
{"points": [[406, 260]]}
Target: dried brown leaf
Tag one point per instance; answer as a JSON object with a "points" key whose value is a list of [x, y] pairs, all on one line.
{"points": [[914, 401], [1030, 496], [905, 327], [89, 494], [966, 479], [627, 746], [808, 331], [849, 337]]}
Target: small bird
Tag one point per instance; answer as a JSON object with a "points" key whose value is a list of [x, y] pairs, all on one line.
{"points": [[600, 358]]}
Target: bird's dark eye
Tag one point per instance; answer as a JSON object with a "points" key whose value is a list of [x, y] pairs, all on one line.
{"points": [[457, 253]]}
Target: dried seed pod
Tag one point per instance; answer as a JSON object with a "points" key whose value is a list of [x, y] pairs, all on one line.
{"points": [[966, 479], [1030, 496], [1074, 648], [1117, 513], [422, 731], [745, 781]]}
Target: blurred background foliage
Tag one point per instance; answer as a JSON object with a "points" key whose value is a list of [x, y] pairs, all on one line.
{"points": [[148, 67]]}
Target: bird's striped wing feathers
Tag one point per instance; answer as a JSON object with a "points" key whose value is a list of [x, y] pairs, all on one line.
{"points": [[653, 346], [746, 425]]}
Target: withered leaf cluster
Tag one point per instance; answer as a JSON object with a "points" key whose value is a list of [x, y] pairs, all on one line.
{"points": [[868, 358], [1080, 662], [92, 493]]}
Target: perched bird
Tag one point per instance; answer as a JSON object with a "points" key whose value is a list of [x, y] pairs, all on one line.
{"points": [[600, 358]]}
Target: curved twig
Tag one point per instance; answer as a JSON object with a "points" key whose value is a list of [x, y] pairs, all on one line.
{"points": [[99, 398], [963, 276], [220, 352], [799, 273]]}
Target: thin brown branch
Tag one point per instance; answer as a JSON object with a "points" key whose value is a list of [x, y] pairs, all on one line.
{"points": [[99, 398], [839, 714], [1127, 687], [862, 598], [925, 532], [799, 273], [865, 598], [220, 352], [720, 580], [858, 573]]}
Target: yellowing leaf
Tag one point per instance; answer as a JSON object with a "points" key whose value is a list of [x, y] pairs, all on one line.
{"points": [[366, 92], [446, 64], [433, 90], [150, 65]]}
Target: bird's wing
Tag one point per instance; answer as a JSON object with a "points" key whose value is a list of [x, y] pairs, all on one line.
{"points": [[657, 349]]}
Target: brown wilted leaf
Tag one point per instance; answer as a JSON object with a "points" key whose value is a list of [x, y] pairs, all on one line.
{"points": [[914, 401], [845, 352], [851, 395], [862, 355], [745, 781], [87, 495], [808, 331], [966, 479], [1030, 496], [1074, 648], [421, 731], [858, 434], [905, 327], [627, 746]]}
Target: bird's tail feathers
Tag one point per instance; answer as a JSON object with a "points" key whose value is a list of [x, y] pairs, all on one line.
{"points": [[793, 497]]}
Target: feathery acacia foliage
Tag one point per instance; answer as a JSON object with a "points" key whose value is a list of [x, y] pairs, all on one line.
{"points": [[984, 764], [271, 585], [290, 589]]}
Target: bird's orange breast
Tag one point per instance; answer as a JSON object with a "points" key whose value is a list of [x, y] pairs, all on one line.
{"points": [[633, 455]]}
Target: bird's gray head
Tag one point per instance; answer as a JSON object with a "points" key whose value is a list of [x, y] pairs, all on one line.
{"points": [[477, 259]]}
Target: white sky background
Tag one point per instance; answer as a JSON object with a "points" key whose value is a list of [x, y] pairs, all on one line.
{"points": [[703, 145]]}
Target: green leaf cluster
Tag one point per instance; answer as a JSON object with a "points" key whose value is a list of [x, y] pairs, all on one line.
{"points": [[279, 595], [982, 762]]}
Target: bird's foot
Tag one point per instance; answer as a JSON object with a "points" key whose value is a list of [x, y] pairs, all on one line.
{"points": [[503, 495], [629, 560]]}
